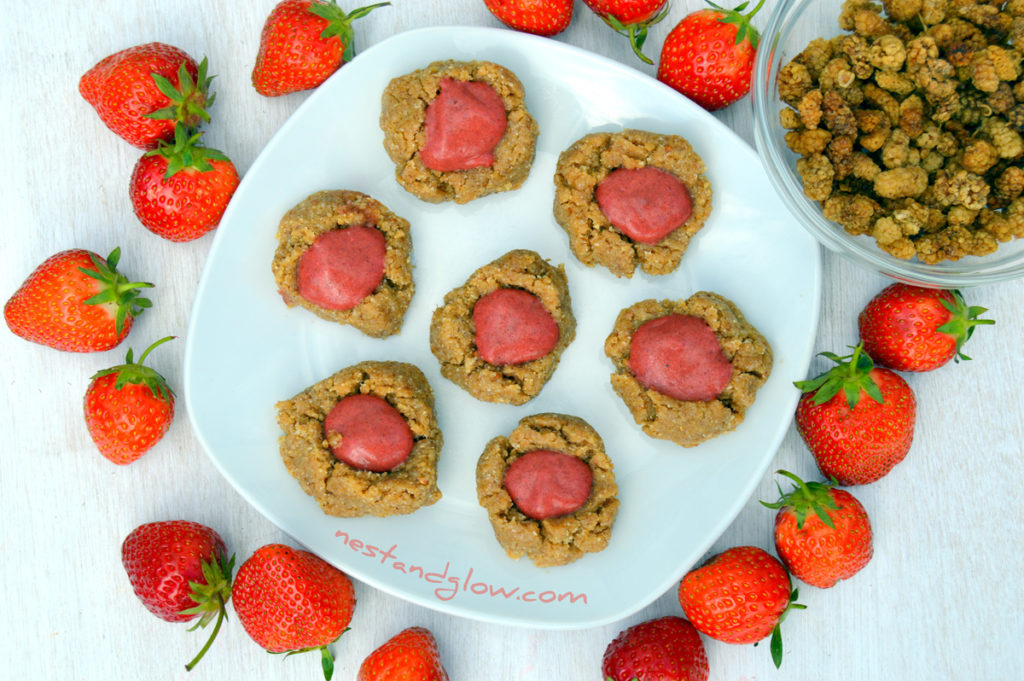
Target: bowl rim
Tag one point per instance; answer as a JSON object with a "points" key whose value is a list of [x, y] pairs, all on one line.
{"points": [[782, 176]]}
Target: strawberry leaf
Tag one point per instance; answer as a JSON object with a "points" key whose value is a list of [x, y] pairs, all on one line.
{"points": [[812, 384], [327, 663], [120, 317], [340, 24], [186, 153], [823, 514], [188, 100], [168, 89], [115, 288], [828, 390], [776, 646], [776, 641], [805, 497], [210, 598], [744, 30], [132, 372], [871, 388], [851, 375], [962, 321], [852, 392]]}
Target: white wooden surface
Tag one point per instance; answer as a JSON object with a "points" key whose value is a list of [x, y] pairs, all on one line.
{"points": [[941, 599]]}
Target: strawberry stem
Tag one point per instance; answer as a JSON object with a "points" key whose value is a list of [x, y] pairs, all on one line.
{"points": [[135, 373], [211, 596], [326, 659], [148, 350], [221, 616], [637, 32]]}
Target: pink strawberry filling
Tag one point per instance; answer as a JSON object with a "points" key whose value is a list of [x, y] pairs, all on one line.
{"points": [[646, 204], [342, 267], [463, 125], [367, 433], [679, 356], [547, 484], [513, 327]]}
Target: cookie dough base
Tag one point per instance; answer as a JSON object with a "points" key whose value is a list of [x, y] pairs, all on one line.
{"points": [[345, 491], [452, 334], [403, 116], [554, 541], [592, 238], [381, 313], [690, 423]]}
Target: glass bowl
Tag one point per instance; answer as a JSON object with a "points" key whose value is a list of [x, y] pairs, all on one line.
{"points": [[791, 26]]}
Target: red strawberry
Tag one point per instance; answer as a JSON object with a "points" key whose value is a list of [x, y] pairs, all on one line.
{"points": [[631, 18], [822, 534], [180, 191], [664, 649], [910, 328], [739, 596], [709, 55], [128, 408], [857, 420], [540, 17], [410, 655], [291, 601], [76, 301], [303, 42], [179, 570], [142, 92]]}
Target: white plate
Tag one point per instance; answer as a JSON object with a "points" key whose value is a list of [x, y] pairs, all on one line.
{"points": [[246, 350]]}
